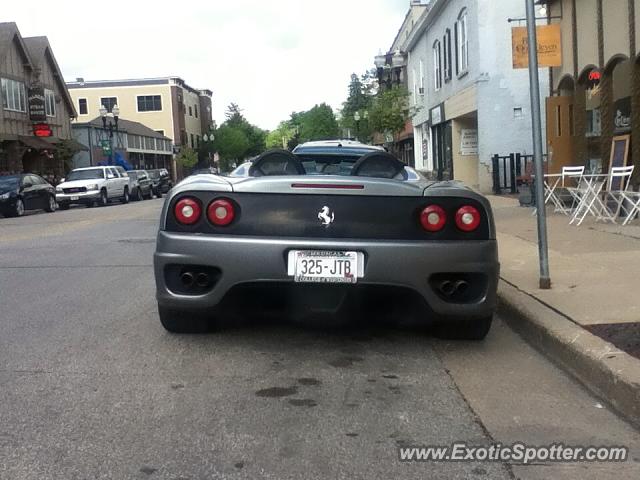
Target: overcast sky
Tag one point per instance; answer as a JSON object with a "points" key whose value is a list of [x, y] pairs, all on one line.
{"points": [[271, 57]]}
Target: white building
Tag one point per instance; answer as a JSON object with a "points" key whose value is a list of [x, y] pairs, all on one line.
{"points": [[468, 101]]}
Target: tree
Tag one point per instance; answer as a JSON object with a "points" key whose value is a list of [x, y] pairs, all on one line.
{"points": [[231, 144], [319, 123], [359, 100], [255, 136], [188, 158], [279, 137], [390, 110]]}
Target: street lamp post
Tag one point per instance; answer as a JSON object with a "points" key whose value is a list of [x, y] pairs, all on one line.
{"points": [[536, 118], [110, 125], [208, 139]]}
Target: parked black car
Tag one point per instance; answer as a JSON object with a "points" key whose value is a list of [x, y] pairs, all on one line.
{"points": [[143, 184], [25, 191], [161, 181]]}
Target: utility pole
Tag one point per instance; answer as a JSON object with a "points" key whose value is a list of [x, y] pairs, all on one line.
{"points": [[543, 251]]}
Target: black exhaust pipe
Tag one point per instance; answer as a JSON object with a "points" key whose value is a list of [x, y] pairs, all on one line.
{"points": [[187, 279], [202, 280], [461, 286], [447, 288]]}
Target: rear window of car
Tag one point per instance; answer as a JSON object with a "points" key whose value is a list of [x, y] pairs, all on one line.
{"points": [[328, 164]]}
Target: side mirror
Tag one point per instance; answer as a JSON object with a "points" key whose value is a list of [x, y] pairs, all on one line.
{"points": [[27, 185], [62, 180], [110, 176]]}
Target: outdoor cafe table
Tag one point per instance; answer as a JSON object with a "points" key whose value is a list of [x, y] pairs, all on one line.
{"points": [[592, 188]]}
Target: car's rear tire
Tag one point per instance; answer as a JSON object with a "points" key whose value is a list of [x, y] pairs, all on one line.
{"points": [[467, 329], [176, 321], [52, 205]]}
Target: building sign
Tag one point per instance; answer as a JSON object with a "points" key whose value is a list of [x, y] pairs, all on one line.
{"points": [[42, 130], [469, 141], [37, 112], [549, 46], [436, 115], [622, 115]]}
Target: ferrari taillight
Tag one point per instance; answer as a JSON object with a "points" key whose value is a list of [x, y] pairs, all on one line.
{"points": [[187, 211], [467, 218], [221, 212], [433, 218]]}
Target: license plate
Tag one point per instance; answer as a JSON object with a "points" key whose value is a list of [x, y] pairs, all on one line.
{"points": [[322, 266], [73, 199]]}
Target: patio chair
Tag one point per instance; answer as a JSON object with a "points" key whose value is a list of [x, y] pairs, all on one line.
{"points": [[613, 201], [571, 178], [632, 200]]}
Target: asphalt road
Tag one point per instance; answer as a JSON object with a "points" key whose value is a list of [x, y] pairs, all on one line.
{"points": [[92, 387]]}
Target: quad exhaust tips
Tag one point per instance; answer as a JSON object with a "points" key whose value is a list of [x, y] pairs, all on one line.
{"points": [[449, 288], [188, 279]]}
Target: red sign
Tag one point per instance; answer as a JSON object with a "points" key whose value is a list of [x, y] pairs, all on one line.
{"points": [[594, 75], [42, 130]]}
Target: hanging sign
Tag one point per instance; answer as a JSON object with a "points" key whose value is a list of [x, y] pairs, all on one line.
{"points": [[37, 112], [549, 46]]}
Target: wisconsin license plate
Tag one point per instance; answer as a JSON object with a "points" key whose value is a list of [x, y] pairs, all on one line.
{"points": [[322, 266]]}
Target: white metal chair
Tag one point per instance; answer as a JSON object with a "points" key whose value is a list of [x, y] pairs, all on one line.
{"points": [[633, 200], [571, 178], [613, 198]]}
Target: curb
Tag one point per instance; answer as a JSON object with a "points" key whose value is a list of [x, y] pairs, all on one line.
{"points": [[607, 372]]}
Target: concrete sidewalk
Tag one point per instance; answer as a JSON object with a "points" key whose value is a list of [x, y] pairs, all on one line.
{"points": [[594, 270]]}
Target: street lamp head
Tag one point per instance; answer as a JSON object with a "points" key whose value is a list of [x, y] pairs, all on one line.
{"points": [[103, 111], [543, 10], [398, 60], [205, 137], [356, 116], [366, 114], [116, 111], [380, 60]]}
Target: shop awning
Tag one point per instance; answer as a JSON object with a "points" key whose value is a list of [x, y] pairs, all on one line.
{"points": [[74, 144], [34, 142]]}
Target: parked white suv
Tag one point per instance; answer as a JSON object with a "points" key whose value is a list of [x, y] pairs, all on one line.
{"points": [[93, 185]]}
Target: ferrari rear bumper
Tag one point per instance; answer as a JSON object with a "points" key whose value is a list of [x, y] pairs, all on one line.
{"points": [[409, 264]]}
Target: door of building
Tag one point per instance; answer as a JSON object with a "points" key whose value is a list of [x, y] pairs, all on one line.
{"points": [[560, 132], [442, 151]]}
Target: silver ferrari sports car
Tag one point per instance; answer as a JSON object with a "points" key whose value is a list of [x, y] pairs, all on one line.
{"points": [[330, 228]]}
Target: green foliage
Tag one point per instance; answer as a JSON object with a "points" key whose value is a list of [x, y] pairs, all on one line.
{"points": [[232, 145], [319, 123], [360, 100], [284, 132], [255, 136], [65, 150], [188, 158], [390, 110]]}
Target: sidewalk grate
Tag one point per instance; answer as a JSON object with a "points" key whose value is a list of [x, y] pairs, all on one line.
{"points": [[625, 336]]}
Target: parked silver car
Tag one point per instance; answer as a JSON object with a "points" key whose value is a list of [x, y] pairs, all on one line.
{"points": [[331, 226]]}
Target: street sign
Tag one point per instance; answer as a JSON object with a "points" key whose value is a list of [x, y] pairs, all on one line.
{"points": [[106, 147]]}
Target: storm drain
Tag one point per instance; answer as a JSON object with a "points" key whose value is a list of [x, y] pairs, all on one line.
{"points": [[625, 336]]}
